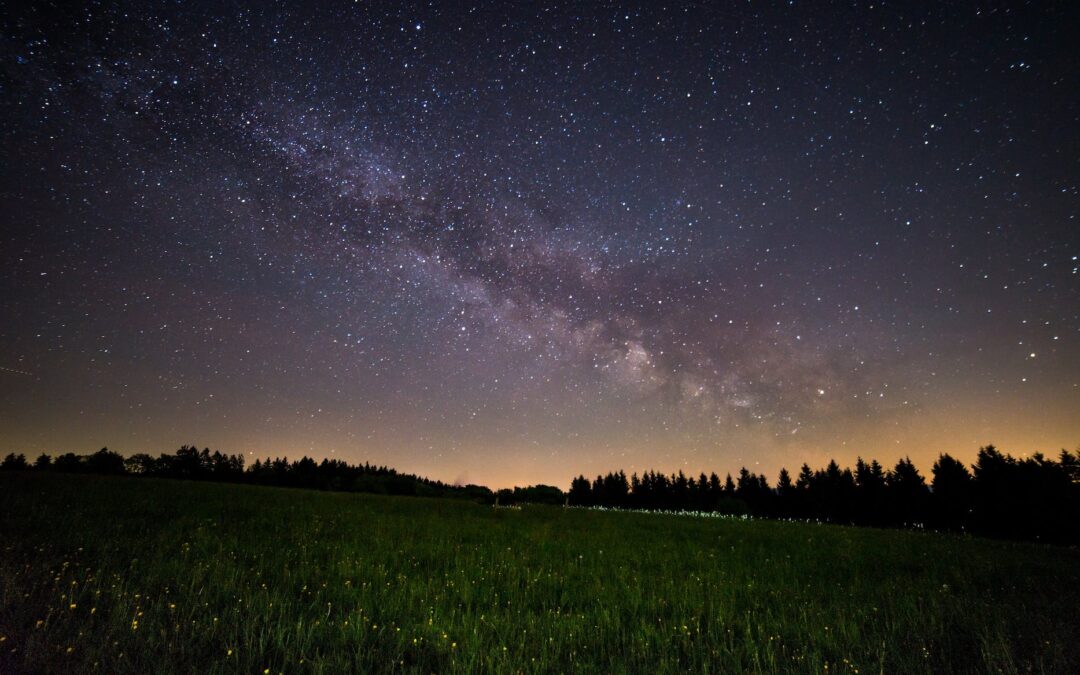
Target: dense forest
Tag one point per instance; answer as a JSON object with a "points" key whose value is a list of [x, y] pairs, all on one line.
{"points": [[1034, 498], [190, 463], [1002, 496]]}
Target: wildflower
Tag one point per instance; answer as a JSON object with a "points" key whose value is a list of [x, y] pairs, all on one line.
{"points": [[72, 606]]}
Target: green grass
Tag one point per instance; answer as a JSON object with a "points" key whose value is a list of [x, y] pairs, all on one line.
{"points": [[122, 575]]}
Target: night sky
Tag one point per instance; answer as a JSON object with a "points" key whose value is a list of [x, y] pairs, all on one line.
{"points": [[507, 245]]}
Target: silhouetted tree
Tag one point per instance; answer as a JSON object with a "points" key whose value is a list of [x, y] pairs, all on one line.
{"points": [[105, 461], [599, 495], [870, 493], [190, 463], [69, 462], [951, 487], [1070, 465], [716, 491], [14, 462], [616, 489], [908, 494], [680, 488], [581, 492], [785, 494], [729, 487], [533, 494], [141, 464]]}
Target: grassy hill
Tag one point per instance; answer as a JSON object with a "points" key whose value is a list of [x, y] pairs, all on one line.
{"points": [[114, 575]]}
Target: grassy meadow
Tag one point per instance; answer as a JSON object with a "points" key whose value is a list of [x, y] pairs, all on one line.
{"points": [[129, 575]]}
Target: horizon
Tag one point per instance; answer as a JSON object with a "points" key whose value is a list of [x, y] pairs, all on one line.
{"points": [[887, 465]]}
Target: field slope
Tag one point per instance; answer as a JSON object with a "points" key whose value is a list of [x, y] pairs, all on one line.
{"points": [[120, 575]]}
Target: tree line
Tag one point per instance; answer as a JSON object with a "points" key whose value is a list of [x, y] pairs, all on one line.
{"points": [[190, 463], [1000, 495], [1035, 498]]}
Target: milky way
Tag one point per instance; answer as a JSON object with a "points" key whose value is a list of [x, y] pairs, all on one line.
{"points": [[509, 244]]}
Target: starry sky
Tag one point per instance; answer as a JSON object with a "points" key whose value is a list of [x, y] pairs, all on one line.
{"points": [[511, 243]]}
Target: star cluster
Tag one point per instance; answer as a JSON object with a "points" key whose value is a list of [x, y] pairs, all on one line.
{"points": [[509, 244]]}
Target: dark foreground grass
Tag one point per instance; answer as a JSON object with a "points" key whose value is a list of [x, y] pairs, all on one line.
{"points": [[120, 575]]}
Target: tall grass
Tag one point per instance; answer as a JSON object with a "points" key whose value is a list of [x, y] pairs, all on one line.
{"points": [[120, 575]]}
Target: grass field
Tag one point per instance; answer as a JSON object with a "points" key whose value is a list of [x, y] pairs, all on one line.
{"points": [[121, 575]]}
